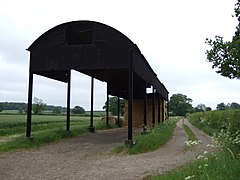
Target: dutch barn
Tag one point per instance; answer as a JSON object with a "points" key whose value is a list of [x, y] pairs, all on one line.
{"points": [[102, 53]]}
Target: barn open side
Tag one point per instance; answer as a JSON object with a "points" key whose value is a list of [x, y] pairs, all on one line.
{"points": [[103, 53]]}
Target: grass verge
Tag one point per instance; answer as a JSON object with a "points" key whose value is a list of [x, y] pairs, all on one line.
{"points": [[221, 165], [224, 164], [191, 135], [46, 136], [157, 137]]}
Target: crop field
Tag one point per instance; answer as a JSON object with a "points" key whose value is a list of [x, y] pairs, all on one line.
{"points": [[45, 128]]}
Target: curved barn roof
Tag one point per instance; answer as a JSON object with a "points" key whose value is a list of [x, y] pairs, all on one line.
{"points": [[94, 49]]}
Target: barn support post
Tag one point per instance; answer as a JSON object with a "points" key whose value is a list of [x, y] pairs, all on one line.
{"points": [[91, 128], [118, 110], [129, 141], [107, 108], [29, 107], [158, 108], [145, 109], [68, 99], [153, 106], [163, 110]]}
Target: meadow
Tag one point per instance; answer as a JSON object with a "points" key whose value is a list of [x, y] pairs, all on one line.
{"points": [[45, 129]]}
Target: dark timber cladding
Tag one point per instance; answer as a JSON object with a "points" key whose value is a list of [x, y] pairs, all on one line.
{"points": [[97, 50]]}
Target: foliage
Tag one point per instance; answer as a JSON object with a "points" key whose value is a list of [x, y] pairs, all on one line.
{"points": [[157, 137], [38, 105], [224, 164], [78, 110], [217, 166], [22, 107], [1, 107], [233, 105], [57, 110], [180, 105], [12, 105], [225, 54], [221, 106], [113, 105]]}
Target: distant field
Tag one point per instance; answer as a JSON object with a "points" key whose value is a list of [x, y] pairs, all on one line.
{"points": [[16, 124], [95, 113], [9, 112]]}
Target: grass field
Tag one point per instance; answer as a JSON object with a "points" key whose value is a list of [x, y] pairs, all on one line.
{"points": [[45, 128]]}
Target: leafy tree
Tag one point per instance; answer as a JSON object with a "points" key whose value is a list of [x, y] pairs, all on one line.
{"points": [[208, 109], [78, 110], [200, 108], [38, 106], [225, 55], [113, 105], [1, 108], [56, 110], [221, 106], [180, 105], [234, 105]]}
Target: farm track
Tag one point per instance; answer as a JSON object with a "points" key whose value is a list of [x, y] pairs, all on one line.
{"points": [[88, 157]]}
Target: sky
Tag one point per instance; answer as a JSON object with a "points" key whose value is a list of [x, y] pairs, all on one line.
{"points": [[170, 34]]}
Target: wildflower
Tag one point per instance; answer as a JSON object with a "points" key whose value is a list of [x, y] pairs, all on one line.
{"points": [[199, 167], [205, 165], [205, 152], [205, 159], [190, 177], [200, 157]]}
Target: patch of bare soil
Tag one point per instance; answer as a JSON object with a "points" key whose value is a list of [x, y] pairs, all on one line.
{"points": [[88, 157]]}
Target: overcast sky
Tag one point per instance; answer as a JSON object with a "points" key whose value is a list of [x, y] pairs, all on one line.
{"points": [[170, 34]]}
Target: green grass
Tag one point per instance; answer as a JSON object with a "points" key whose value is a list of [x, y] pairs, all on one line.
{"points": [[191, 135], [157, 137], [220, 166], [224, 164], [45, 129]]}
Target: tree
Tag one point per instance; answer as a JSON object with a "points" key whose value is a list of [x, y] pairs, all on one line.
{"points": [[234, 105], [113, 105], [38, 106], [200, 108], [180, 105], [208, 109], [225, 55], [221, 106], [1, 108], [78, 110], [56, 110]]}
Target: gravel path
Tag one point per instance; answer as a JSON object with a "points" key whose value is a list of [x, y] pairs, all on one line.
{"points": [[87, 157]]}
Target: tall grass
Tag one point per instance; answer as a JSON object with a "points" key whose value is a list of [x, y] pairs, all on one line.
{"points": [[224, 164], [157, 137], [45, 129]]}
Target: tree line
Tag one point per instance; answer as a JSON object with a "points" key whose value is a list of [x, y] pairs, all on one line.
{"points": [[38, 107], [180, 105]]}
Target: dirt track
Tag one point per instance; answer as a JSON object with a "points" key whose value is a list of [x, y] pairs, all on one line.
{"points": [[87, 157]]}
